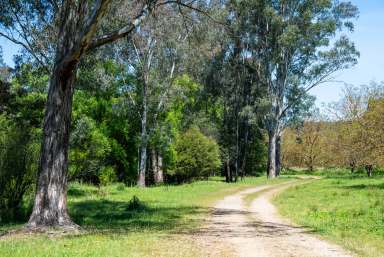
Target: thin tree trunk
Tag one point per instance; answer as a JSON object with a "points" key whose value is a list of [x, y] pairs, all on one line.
{"points": [[143, 146], [272, 154], [157, 167], [245, 146], [228, 174], [50, 206], [243, 166], [237, 149], [278, 155], [159, 179], [369, 169], [154, 164], [352, 165]]}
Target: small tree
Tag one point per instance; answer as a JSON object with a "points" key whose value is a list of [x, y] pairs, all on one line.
{"points": [[372, 124], [360, 113]]}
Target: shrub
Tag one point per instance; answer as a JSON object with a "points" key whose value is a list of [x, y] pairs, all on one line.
{"points": [[136, 205], [107, 176], [89, 149], [19, 152], [120, 186], [197, 156]]}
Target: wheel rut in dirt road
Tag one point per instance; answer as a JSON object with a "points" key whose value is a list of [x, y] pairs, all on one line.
{"points": [[257, 230]]}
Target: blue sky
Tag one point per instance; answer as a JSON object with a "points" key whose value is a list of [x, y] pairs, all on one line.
{"points": [[369, 40]]}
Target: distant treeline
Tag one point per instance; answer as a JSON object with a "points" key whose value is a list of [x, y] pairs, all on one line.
{"points": [[352, 136]]}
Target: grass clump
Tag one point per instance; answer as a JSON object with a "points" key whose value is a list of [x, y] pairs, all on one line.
{"points": [[135, 204]]}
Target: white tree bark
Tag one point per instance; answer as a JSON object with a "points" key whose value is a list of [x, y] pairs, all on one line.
{"points": [[143, 143]]}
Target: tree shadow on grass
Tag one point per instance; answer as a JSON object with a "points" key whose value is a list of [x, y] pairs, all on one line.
{"points": [[364, 186], [119, 217], [76, 192]]}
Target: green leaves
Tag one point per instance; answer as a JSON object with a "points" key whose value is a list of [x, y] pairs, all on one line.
{"points": [[19, 154], [89, 149], [198, 156]]}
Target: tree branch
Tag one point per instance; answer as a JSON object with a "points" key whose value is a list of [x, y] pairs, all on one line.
{"points": [[189, 6], [311, 85], [87, 32], [17, 42], [122, 32]]}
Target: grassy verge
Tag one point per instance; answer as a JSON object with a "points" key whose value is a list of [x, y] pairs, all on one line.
{"points": [[115, 225], [349, 211]]}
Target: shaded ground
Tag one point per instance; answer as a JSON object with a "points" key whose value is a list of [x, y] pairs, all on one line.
{"points": [[257, 230]]}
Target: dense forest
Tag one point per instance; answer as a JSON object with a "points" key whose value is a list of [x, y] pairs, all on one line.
{"points": [[153, 92]]}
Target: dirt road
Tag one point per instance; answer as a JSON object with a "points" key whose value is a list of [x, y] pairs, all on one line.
{"points": [[240, 229]]}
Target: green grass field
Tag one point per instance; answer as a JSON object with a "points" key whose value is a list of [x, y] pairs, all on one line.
{"points": [[114, 225], [348, 211]]}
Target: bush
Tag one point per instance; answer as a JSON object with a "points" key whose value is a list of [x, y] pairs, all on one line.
{"points": [[120, 186], [197, 156], [107, 176], [136, 205], [19, 153], [88, 151]]}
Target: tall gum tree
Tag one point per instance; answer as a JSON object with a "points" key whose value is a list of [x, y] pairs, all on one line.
{"points": [[150, 56], [71, 28], [297, 55], [290, 46]]}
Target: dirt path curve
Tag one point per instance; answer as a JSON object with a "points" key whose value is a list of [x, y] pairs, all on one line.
{"points": [[259, 231]]}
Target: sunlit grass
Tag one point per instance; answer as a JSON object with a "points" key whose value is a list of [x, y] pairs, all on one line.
{"points": [[349, 211]]}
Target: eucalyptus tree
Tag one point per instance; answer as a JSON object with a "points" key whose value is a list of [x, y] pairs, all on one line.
{"points": [[154, 56], [296, 46], [58, 34], [232, 82]]}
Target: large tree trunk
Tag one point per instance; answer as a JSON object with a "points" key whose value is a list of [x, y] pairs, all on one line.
{"points": [[50, 207], [272, 171], [75, 34], [143, 144], [78, 24]]}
